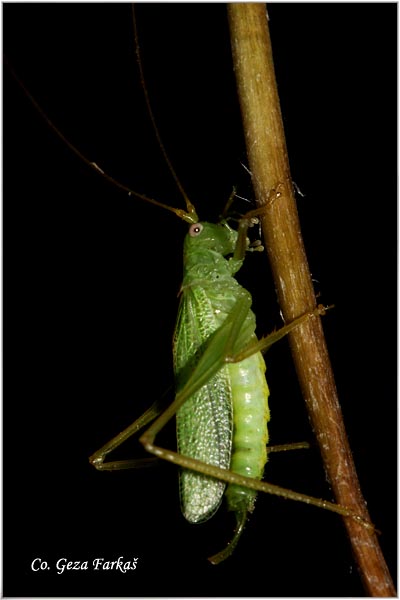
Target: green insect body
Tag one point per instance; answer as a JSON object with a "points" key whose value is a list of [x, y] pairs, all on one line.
{"points": [[225, 422], [221, 401]]}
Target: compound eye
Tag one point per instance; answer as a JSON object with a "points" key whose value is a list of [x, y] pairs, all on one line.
{"points": [[195, 229]]}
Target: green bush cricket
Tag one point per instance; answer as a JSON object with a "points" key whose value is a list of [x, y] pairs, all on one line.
{"points": [[229, 180], [221, 402], [222, 396]]}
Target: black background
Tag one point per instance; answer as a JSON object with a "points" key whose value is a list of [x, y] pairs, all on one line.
{"points": [[91, 280]]}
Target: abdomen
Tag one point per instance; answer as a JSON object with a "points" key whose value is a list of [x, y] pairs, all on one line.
{"points": [[250, 434]]}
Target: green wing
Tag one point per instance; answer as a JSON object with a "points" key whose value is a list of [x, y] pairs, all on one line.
{"points": [[204, 422]]}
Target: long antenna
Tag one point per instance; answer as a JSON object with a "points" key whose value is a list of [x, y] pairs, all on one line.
{"points": [[190, 208], [189, 217]]}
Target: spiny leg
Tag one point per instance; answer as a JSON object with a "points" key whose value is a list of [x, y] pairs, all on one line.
{"points": [[254, 484]]}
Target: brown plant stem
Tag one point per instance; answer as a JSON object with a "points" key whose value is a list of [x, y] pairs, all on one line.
{"points": [[269, 165]]}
